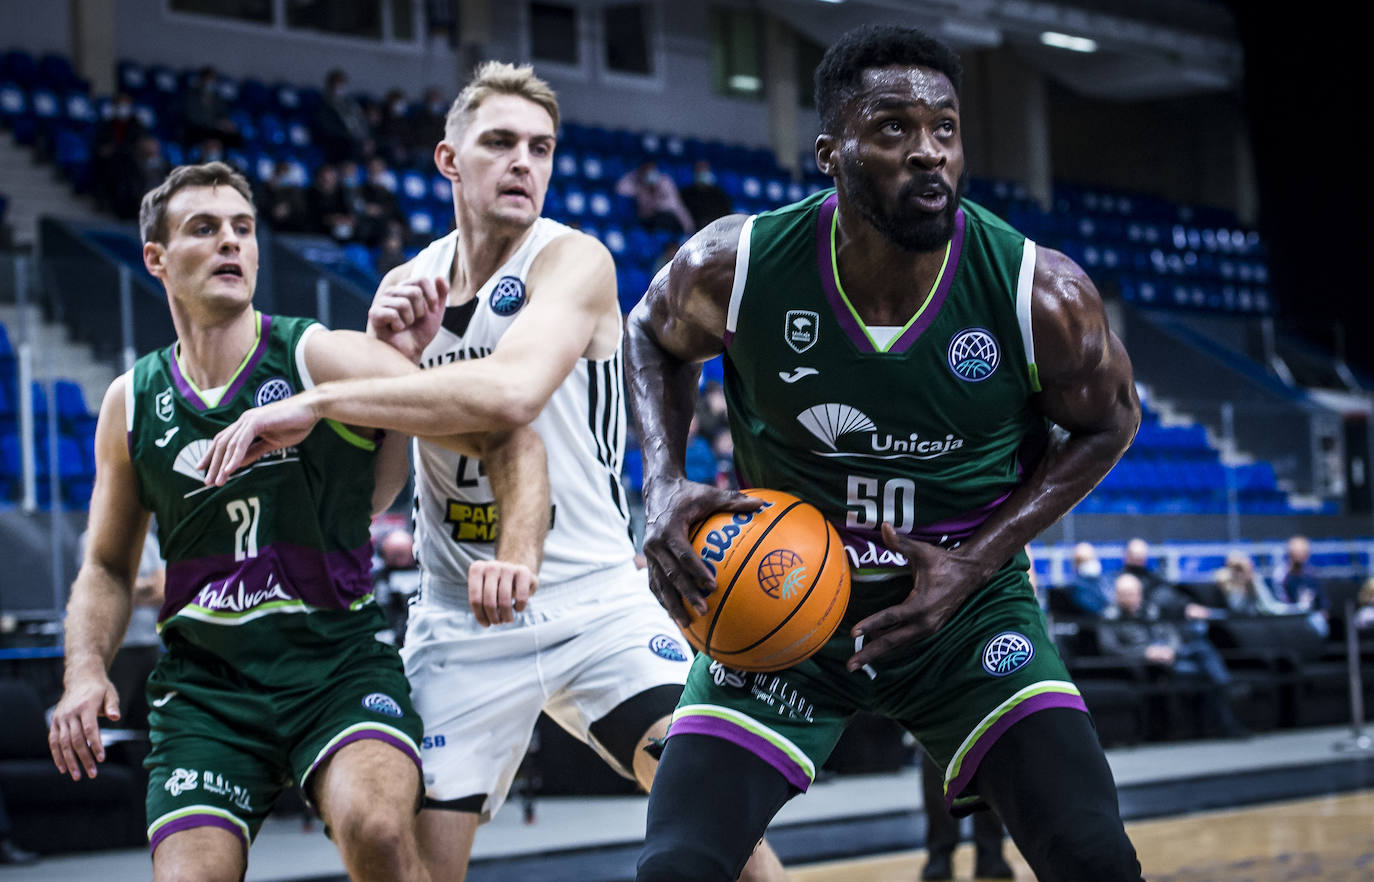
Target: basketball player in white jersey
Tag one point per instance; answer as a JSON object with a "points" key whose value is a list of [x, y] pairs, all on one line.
{"points": [[515, 319]]}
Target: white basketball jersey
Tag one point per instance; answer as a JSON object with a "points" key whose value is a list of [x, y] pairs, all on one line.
{"points": [[582, 427]]}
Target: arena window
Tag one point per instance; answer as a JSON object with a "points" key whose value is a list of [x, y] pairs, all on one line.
{"points": [[553, 33], [627, 45], [259, 11], [736, 35]]}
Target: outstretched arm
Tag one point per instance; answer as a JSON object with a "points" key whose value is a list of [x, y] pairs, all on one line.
{"points": [[98, 611], [1089, 393], [679, 324], [572, 307]]}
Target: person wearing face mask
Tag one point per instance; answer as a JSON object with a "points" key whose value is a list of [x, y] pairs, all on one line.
{"points": [[393, 133], [339, 126], [1088, 591], [657, 201], [116, 139], [704, 198]]}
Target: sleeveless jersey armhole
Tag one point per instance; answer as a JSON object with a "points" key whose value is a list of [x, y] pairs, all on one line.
{"points": [[1025, 286], [302, 368], [741, 276]]}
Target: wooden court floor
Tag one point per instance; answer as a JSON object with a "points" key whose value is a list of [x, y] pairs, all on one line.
{"points": [[1329, 839]]}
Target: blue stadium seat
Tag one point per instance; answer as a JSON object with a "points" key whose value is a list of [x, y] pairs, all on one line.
{"points": [[56, 71], [254, 96]]}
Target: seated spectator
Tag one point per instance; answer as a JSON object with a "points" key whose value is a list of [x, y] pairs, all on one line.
{"points": [[1364, 610], [339, 126], [1089, 592], [331, 208], [1296, 585], [1133, 630], [657, 203], [427, 122], [377, 204], [1247, 594], [283, 203], [114, 163], [392, 131], [203, 115], [704, 198], [393, 250], [1171, 603], [395, 581]]}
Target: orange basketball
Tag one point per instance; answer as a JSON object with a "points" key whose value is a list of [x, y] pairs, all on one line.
{"points": [[782, 584]]}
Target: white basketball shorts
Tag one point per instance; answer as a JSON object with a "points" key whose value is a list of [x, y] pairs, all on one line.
{"points": [[577, 651]]}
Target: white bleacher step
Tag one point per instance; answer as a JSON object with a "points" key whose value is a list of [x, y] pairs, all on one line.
{"points": [[34, 190], [54, 355]]}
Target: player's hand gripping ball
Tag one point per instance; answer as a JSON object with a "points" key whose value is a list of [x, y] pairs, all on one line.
{"points": [[782, 584]]}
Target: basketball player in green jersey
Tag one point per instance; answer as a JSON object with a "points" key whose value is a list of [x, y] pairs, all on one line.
{"points": [[896, 356], [272, 674]]}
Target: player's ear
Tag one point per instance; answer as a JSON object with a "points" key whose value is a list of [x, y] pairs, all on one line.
{"points": [[154, 258], [826, 160], [446, 160]]}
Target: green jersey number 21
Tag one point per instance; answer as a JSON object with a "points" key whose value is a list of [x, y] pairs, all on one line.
{"points": [[245, 514]]}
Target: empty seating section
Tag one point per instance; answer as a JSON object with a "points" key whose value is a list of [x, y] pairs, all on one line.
{"points": [[74, 444]]}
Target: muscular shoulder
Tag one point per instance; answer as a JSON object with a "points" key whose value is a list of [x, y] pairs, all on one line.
{"points": [[706, 263], [1070, 325], [579, 262]]}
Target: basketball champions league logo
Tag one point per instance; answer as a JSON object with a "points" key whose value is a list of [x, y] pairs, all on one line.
{"points": [[974, 355], [507, 296]]}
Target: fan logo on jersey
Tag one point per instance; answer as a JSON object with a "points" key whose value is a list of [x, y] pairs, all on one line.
{"points": [[272, 390], [780, 572], [802, 329], [508, 295], [1007, 653], [974, 354], [666, 647], [831, 422], [381, 703], [164, 405]]}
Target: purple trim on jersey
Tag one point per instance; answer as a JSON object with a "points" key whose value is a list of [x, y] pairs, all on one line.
{"points": [[704, 724], [825, 268], [190, 822], [827, 271], [193, 397], [728, 338], [1043, 701], [367, 735], [322, 579], [937, 300]]}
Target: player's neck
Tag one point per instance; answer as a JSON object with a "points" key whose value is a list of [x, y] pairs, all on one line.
{"points": [[482, 249], [883, 281], [210, 352]]}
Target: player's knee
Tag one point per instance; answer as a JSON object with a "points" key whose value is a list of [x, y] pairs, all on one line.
{"points": [[1088, 849], [376, 832], [680, 862]]}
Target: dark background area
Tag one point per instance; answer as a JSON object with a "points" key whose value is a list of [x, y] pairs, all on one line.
{"points": [[1309, 124]]}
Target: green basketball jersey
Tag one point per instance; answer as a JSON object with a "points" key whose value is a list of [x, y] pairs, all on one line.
{"points": [[273, 568], [930, 430]]}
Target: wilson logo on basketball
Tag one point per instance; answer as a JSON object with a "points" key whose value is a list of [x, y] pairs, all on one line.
{"points": [[719, 541], [780, 572]]}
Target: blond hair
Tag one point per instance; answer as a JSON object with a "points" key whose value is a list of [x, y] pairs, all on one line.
{"points": [[152, 213], [497, 78]]}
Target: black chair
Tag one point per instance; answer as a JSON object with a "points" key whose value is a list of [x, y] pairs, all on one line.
{"points": [[50, 812]]}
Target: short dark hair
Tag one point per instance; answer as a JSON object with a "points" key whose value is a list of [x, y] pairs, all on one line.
{"points": [[841, 68], [152, 214]]}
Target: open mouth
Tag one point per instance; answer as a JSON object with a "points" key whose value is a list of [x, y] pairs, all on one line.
{"points": [[229, 269], [515, 191]]}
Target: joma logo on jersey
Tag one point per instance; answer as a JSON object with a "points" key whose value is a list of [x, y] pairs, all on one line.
{"points": [[831, 422], [802, 329], [473, 522], [719, 541]]}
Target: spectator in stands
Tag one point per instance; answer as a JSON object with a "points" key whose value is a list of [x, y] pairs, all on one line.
{"points": [[1296, 585], [283, 201], [377, 204], [1247, 594], [203, 114], [331, 209], [427, 122], [1364, 611], [1171, 603], [10, 853], [114, 163], [393, 133], [339, 126], [151, 165], [396, 580], [657, 202], [393, 249], [1134, 630], [1088, 592], [704, 198]]}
